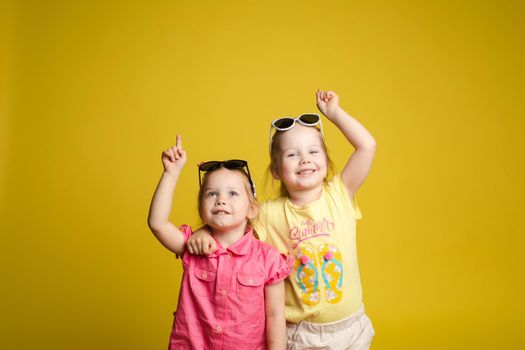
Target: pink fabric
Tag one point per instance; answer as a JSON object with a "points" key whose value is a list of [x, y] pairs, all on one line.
{"points": [[221, 301], [186, 231]]}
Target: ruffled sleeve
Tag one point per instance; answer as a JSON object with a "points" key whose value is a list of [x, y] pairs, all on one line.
{"points": [[186, 232], [279, 266]]}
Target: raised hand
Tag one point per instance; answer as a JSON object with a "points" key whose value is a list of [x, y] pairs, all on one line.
{"points": [[328, 103], [174, 158]]}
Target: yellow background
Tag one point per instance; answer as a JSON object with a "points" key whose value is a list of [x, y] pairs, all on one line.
{"points": [[91, 93]]}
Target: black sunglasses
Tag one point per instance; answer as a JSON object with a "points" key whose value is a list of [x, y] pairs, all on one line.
{"points": [[232, 164]]}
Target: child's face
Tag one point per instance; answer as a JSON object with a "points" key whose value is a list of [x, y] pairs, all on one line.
{"points": [[225, 202], [303, 163]]}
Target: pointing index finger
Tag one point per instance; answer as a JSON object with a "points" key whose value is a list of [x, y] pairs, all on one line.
{"points": [[179, 141]]}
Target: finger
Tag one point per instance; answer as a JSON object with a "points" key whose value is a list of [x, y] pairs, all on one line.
{"points": [[213, 246], [190, 248], [180, 150], [175, 153], [204, 248], [195, 247], [169, 154]]}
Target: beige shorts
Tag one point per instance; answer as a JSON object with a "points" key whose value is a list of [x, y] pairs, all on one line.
{"points": [[352, 333]]}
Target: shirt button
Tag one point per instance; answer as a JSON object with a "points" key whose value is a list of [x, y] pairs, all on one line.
{"points": [[204, 275], [250, 281], [228, 256], [224, 292], [218, 329]]}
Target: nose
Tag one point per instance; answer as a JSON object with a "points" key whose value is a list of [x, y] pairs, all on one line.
{"points": [[220, 201], [304, 160]]}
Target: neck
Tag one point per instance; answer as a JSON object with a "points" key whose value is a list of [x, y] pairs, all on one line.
{"points": [[229, 236], [302, 198]]}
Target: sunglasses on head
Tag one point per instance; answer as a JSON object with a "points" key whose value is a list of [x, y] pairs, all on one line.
{"points": [[286, 123], [232, 164]]}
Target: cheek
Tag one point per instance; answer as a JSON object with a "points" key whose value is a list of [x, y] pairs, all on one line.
{"points": [[208, 203], [287, 164], [322, 159]]}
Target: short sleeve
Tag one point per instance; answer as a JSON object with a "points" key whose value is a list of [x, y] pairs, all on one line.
{"points": [[186, 232], [339, 192], [278, 265]]}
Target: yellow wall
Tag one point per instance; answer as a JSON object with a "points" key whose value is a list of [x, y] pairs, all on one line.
{"points": [[92, 92]]}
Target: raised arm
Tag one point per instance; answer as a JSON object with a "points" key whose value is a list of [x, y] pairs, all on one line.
{"points": [[358, 166], [169, 235]]}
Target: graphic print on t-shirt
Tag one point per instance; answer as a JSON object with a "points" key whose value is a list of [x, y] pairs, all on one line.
{"points": [[309, 229], [332, 272], [323, 264], [307, 275]]}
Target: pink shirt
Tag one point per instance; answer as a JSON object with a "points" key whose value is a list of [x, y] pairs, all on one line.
{"points": [[221, 301]]}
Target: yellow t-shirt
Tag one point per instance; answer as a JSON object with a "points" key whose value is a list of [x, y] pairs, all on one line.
{"points": [[324, 285]]}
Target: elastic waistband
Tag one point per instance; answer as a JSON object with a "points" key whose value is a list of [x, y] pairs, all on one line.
{"points": [[328, 327]]}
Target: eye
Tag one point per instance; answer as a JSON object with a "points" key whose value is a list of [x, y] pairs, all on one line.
{"points": [[291, 155], [211, 194], [233, 193], [314, 151]]}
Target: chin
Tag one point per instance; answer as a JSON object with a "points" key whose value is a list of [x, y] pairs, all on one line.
{"points": [[310, 183]]}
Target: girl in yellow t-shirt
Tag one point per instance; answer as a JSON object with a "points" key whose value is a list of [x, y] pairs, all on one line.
{"points": [[315, 219]]}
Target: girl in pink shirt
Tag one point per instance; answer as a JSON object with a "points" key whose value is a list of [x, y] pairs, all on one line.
{"points": [[233, 298]]}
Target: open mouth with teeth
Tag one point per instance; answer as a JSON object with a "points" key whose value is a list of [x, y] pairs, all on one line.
{"points": [[306, 172], [220, 212]]}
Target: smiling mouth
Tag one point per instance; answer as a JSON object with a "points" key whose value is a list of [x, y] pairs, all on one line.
{"points": [[306, 172], [220, 212]]}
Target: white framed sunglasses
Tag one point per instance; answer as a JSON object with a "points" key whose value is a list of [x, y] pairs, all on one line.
{"points": [[286, 123]]}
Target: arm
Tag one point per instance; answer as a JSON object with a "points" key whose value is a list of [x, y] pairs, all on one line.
{"points": [[275, 320], [168, 234], [358, 166]]}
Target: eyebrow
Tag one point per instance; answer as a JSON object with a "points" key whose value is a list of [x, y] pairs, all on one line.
{"points": [[307, 147], [207, 188]]}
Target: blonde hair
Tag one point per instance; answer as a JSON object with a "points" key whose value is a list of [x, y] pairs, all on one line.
{"points": [[274, 168], [246, 183]]}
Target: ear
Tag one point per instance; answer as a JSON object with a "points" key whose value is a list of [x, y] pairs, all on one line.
{"points": [[253, 211], [275, 175]]}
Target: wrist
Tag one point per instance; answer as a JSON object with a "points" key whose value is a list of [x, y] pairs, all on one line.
{"points": [[336, 114], [171, 174]]}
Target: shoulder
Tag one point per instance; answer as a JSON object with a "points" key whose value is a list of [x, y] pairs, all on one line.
{"points": [[335, 183], [336, 190], [265, 250], [261, 246], [272, 203], [270, 208]]}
